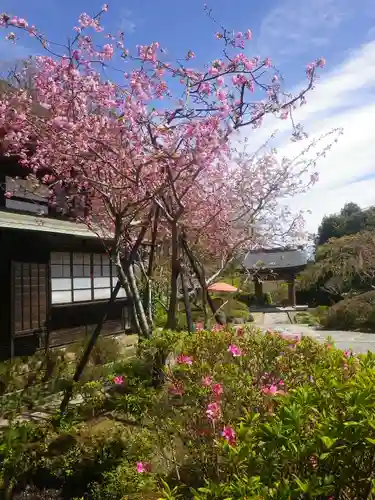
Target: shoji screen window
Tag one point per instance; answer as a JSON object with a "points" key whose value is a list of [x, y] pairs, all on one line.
{"points": [[82, 277]]}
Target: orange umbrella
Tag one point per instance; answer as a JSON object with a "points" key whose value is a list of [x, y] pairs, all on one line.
{"points": [[222, 287]]}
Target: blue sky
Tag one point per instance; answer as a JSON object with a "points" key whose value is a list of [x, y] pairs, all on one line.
{"points": [[292, 33]]}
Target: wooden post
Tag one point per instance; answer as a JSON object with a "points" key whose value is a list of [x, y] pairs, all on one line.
{"points": [[258, 284], [292, 292]]}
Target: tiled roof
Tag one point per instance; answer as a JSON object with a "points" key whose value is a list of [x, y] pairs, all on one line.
{"points": [[275, 258], [11, 220]]}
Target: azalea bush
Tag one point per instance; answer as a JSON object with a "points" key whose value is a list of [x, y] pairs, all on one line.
{"points": [[239, 415]]}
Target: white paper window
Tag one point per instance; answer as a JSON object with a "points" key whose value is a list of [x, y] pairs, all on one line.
{"points": [[78, 277], [102, 282], [81, 295], [81, 283], [61, 284], [102, 293], [61, 297]]}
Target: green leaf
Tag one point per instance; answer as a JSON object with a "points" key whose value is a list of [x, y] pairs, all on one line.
{"points": [[370, 440], [325, 455], [328, 442], [352, 424], [302, 485]]}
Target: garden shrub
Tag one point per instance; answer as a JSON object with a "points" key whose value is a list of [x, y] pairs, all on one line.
{"points": [[240, 415], [268, 299], [352, 313], [247, 298], [306, 318]]}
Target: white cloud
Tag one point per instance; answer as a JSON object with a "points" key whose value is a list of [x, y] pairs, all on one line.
{"points": [[325, 201], [127, 24], [344, 97], [293, 27]]}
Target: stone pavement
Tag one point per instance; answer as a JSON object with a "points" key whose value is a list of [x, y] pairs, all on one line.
{"points": [[357, 341]]}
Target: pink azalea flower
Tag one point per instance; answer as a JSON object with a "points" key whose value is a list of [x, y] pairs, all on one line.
{"points": [[234, 350], [182, 359], [271, 390], [213, 411], [143, 467], [207, 381], [199, 327], [229, 435], [347, 353], [119, 380], [217, 389]]}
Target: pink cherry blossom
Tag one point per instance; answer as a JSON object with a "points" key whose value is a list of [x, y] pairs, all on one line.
{"points": [[234, 350], [229, 435], [108, 51], [268, 62], [143, 467], [213, 411], [248, 35], [182, 359], [120, 149]]}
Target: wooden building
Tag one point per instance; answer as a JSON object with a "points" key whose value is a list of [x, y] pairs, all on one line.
{"points": [[55, 276], [276, 264]]}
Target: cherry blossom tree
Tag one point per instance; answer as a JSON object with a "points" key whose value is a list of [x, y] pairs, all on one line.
{"points": [[139, 152]]}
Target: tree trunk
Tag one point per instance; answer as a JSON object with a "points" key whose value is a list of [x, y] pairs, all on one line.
{"points": [[129, 295], [204, 304], [147, 300], [200, 275], [145, 330], [86, 355], [189, 320], [121, 282], [175, 271]]}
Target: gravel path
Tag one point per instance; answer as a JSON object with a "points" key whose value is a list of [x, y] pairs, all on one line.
{"points": [[358, 341]]}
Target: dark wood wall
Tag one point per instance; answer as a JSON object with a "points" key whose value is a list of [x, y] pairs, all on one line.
{"points": [[30, 319]]}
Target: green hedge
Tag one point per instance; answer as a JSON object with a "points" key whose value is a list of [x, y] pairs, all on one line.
{"points": [[354, 313]]}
